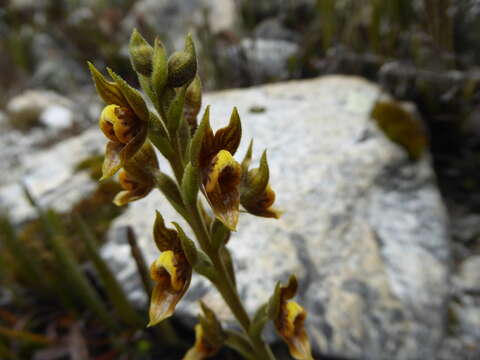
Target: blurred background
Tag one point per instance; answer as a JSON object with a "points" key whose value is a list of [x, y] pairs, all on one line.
{"points": [[423, 51]]}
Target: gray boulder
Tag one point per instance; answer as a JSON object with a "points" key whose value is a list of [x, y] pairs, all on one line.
{"points": [[364, 228]]}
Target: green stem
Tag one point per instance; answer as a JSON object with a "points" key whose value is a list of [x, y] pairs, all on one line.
{"points": [[225, 285]]}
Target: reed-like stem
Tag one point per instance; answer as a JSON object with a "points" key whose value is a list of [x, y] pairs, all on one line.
{"points": [[29, 266], [77, 281], [113, 289]]}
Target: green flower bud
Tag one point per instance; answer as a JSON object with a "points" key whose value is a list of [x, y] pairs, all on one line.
{"points": [[140, 54], [182, 65]]}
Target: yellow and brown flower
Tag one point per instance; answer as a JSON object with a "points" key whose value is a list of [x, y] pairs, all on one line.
{"points": [[138, 176], [133, 189], [220, 173], [289, 321], [124, 120], [257, 197], [171, 273], [126, 134]]}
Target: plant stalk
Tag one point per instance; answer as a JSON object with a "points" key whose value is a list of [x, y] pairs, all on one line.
{"points": [[225, 285]]}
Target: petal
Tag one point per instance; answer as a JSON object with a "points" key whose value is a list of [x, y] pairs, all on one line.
{"points": [[165, 238], [288, 291], [193, 102], [167, 261], [130, 149], [106, 121], [127, 196], [221, 185], [112, 161], [162, 303], [133, 97], [109, 91], [202, 150], [143, 165], [228, 138], [126, 125]]}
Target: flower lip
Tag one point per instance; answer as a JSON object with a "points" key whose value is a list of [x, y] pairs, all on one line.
{"points": [[290, 321], [295, 316], [220, 185], [172, 274], [134, 189], [169, 262], [119, 124]]}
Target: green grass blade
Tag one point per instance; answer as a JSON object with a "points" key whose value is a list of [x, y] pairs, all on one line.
{"points": [[77, 280], [113, 289]]}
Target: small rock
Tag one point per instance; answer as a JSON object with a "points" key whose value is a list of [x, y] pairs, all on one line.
{"points": [[25, 109], [57, 117]]}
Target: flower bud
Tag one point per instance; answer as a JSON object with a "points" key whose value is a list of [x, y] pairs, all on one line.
{"points": [[159, 67], [182, 65], [140, 54]]}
